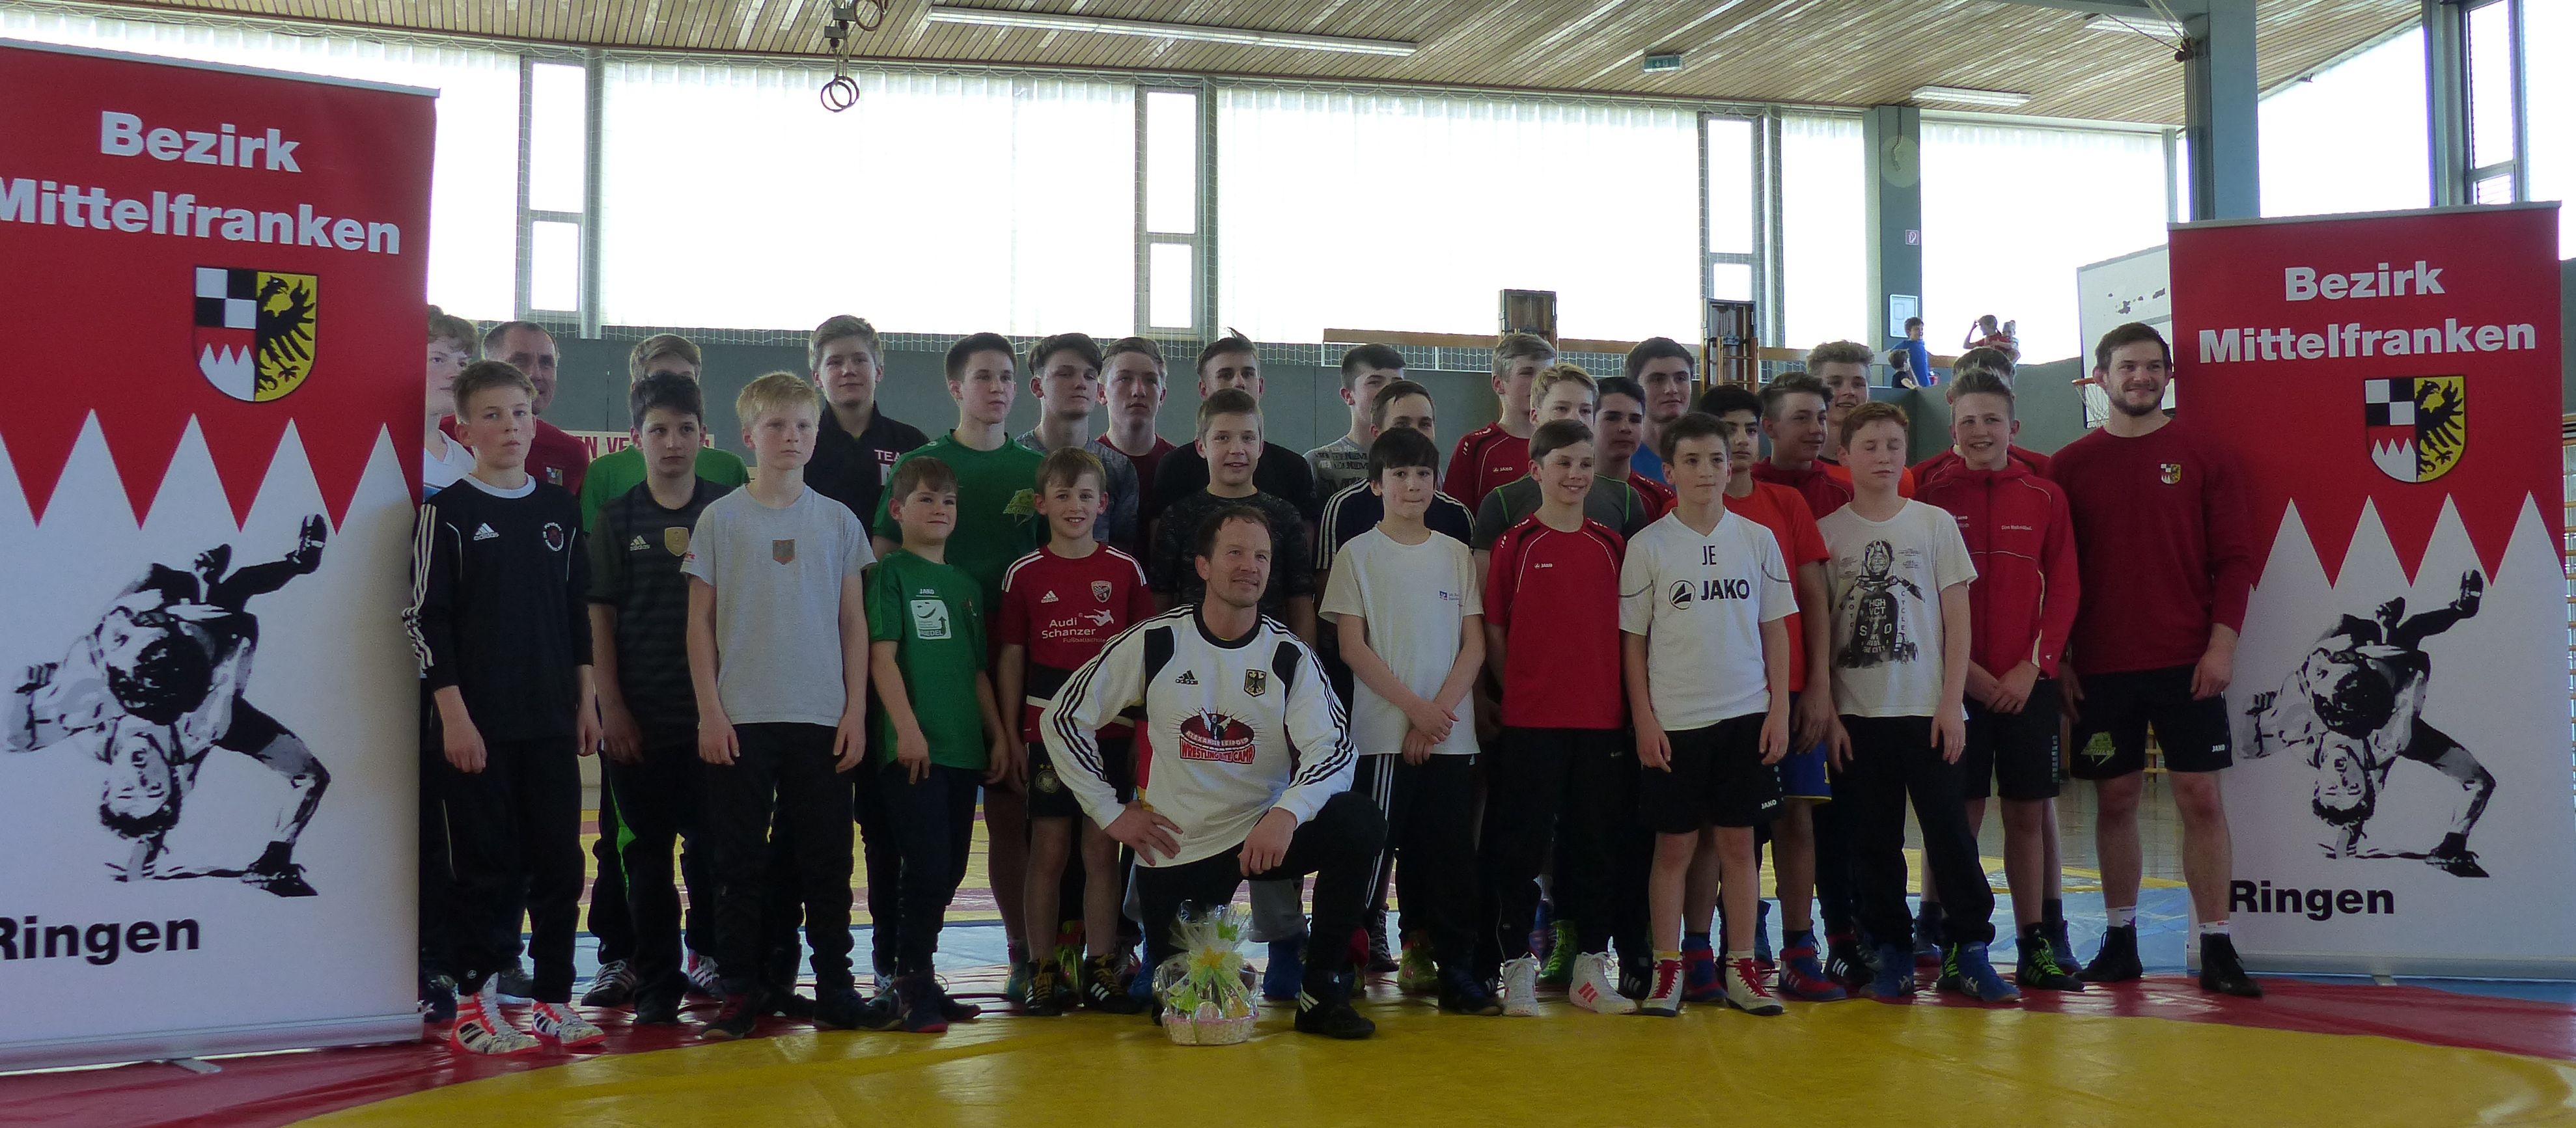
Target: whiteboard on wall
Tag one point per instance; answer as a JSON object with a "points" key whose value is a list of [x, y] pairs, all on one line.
{"points": [[2137, 286]]}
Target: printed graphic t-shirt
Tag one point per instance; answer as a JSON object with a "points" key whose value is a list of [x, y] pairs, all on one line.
{"points": [[1886, 579]]}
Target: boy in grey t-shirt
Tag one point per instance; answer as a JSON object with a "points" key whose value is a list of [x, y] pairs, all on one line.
{"points": [[778, 639]]}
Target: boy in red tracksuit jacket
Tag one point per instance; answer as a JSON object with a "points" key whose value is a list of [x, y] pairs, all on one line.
{"points": [[2022, 607]]}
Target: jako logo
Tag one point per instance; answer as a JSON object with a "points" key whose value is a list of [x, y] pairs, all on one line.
{"points": [[1685, 592]]}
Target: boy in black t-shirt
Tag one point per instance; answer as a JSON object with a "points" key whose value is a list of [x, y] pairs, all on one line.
{"points": [[639, 604], [498, 620]]}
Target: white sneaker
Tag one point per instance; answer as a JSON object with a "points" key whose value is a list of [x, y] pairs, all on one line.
{"points": [[480, 1028], [1595, 986], [1520, 987], [565, 1026], [1744, 989], [1664, 999]]}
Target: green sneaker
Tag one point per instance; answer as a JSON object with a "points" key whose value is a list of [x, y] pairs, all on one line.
{"points": [[1559, 968], [1069, 980], [1416, 973]]}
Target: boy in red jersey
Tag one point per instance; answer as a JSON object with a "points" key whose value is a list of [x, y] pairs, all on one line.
{"points": [[1993, 363], [1060, 605], [2021, 605], [1499, 451], [2160, 519], [1552, 640]]}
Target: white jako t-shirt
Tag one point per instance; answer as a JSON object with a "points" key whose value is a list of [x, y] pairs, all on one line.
{"points": [[1701, 602], [1886, 579], [1416, 599]]}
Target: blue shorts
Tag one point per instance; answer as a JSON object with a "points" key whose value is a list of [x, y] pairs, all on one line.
{"points": [[1802, 774]]}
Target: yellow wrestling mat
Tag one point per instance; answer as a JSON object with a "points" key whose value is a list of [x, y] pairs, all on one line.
{"points": [[1857, 1063]]}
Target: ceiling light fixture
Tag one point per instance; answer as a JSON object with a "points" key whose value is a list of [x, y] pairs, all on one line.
{"points": [[1156, 29], [2153, 27], [1966, 97]]}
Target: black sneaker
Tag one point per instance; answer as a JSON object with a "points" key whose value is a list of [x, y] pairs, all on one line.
{"points": [[276, 872], [515, 985], [2037, 968], [437, 1000], [1847, 963], [2117, 962], [2222, 972], [614, 986], [2454, 857], [1331, 1015], [1381, 957], [783, 1001], [657, 1008], [955, 1011], [845, 1009], [1636, 977], [1103, 989], [1041, 1000], [741, 1012], [919, 997], [1461, 993]]}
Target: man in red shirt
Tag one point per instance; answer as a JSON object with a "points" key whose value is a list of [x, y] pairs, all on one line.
{"points": [[1552, 640], [1844, 368], [553, 454], [1622, 425], [2021, 606], [1134, 374], [1992, 362], [1499, 451], [1803, 778], [2162, 537]]}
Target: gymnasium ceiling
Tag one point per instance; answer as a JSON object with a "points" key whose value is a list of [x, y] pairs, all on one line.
{"points": [[1835, 52]]}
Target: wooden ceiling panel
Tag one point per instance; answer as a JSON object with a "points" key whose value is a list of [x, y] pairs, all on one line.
{"points": [[1815, 52]]}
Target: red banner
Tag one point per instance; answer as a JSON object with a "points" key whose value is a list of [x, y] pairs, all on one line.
{"points": [[2405, 360], [268, 244]]}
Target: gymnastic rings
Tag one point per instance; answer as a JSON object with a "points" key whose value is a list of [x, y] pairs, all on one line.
{"points": [[840, 93], [868, 15]]}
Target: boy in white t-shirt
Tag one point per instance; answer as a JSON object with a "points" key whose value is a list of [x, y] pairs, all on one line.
{"points": [[1703, 596], [1899, 577], [1411, 623]]}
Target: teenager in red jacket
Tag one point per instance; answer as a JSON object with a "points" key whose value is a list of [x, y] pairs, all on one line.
{"points": [[1994, 363], [2021, 607]]}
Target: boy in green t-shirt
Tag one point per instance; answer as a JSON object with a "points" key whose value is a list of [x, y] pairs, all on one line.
{"points": [[926, 628]]}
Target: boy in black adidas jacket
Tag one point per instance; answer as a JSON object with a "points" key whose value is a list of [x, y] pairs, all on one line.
{"points": [[500, 622]]}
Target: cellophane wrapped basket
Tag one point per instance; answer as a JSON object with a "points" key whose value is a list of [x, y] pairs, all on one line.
{"points": [[1207, 997]]}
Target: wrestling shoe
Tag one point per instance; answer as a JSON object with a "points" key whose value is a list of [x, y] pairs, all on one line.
{"points": [[1068, 980], [2117, 962], [1802, 978], [2453, 857], [1636, 977], [786, 1003], [1381, 957], [1324, 1008], [2222, 972], [2061, 946], [480, 1029], [920, 999], [954, 1011], [1927, 924], [1102, 989], [739, 1014], [1966, 970], [2037, 967], [1559, 969], [1417, 973], [513, 986], [1700, 981], [1762, 936], [1895, 973], [437, 1000], [1286, 971], [1015, 987], [560, 1024], [1744, 990], [1461, 994], [614, 986], [1595, 989], [1044, 979], [701, 974], [657, 1008], [276, 872], [843, 1008], [1520, 986], [1664, 995], [1848, 963]]}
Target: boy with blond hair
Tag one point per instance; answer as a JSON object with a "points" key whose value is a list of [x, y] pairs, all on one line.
{"points": [[1499, 451], [777, 638], [1060, 605]]}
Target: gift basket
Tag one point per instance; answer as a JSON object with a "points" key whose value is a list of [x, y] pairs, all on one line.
{"points": [[1206, 992]]}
